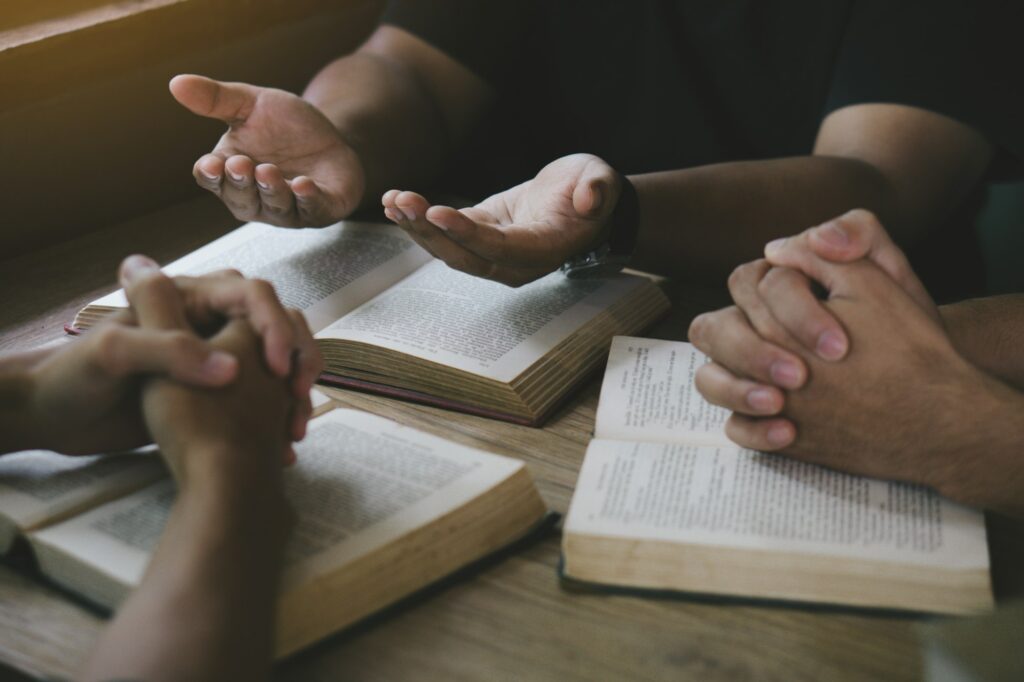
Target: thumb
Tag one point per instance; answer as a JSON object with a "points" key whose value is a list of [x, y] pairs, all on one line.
{"points": [[868, 239], [597, 189], [228, 102], [852, 236]]}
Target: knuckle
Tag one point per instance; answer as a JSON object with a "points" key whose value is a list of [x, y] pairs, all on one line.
{"points": [[769, 347], [153, 284], [735, 431], [744, 277], [238, 206], [862, 220], [768, 283], [702, 379], [775, 279], [700, 329], [181, 344], [276, 209], [811, 328], [262, 290], [108, 347], [736, 277]]}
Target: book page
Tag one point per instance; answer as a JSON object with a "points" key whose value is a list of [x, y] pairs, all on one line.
{"points": [[325, 272], [38, 486], [648, 394], [743, 499], [360, 482], [477, 325]]}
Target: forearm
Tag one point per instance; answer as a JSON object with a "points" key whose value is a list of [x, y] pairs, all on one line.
{"points": [[700, 223], [18, 429], [387, 115], [205, 608], [989, 332], [984, 466]]}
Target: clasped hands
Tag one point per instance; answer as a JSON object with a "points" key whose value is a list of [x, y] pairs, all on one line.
{"points": [[208, 363], [863, 379]]}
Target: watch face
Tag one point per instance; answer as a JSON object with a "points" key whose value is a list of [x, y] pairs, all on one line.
{"points": [[594, 269]]}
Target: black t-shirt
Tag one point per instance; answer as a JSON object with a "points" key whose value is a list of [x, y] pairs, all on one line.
{"points": [[654, 85]]}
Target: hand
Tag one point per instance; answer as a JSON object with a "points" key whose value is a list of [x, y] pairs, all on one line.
{"points": [[892, 409], [84, 397], [249, 415], [522, 233], [235, 433], [286, 164], [793, 314], [852, 236], [288, 344]]}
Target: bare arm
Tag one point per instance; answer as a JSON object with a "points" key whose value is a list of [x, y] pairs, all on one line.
{"points": [[402, 104], [909, 166], [902, 405], [205, 607], [989, 332]]}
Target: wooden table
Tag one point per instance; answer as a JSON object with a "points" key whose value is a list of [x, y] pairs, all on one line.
{"points": [[510, 620]]}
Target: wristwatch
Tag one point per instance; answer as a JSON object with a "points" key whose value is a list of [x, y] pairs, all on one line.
{"points": [[612, 255]]}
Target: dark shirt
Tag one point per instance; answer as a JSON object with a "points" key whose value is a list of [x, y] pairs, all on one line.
{"points": [[659, 84]]}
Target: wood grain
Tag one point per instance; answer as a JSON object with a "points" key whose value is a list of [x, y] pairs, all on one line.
{"points": [[508, 621]]}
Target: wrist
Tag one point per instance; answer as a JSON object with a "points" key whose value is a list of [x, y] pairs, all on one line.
{"points": [[236, 500], [236, 475], [614, 245], [234, 514]]}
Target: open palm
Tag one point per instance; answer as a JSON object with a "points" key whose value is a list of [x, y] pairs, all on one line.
{"points": [[522, 233], [281, 160]]}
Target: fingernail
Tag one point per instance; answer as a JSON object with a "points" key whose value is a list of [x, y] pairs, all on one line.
{"points": [[833, 234], [761, 399], [779, 434], [443, 228], [209, 176], [785, 374], [774, 245], [831, 346], [134, 266], [409, 213], [235, 178], [263, 186], [219, 365]]}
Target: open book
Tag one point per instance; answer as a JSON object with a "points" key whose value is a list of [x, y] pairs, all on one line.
{"points": [[39, 488], [391, 319], [665, 501], [383, 510]]}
